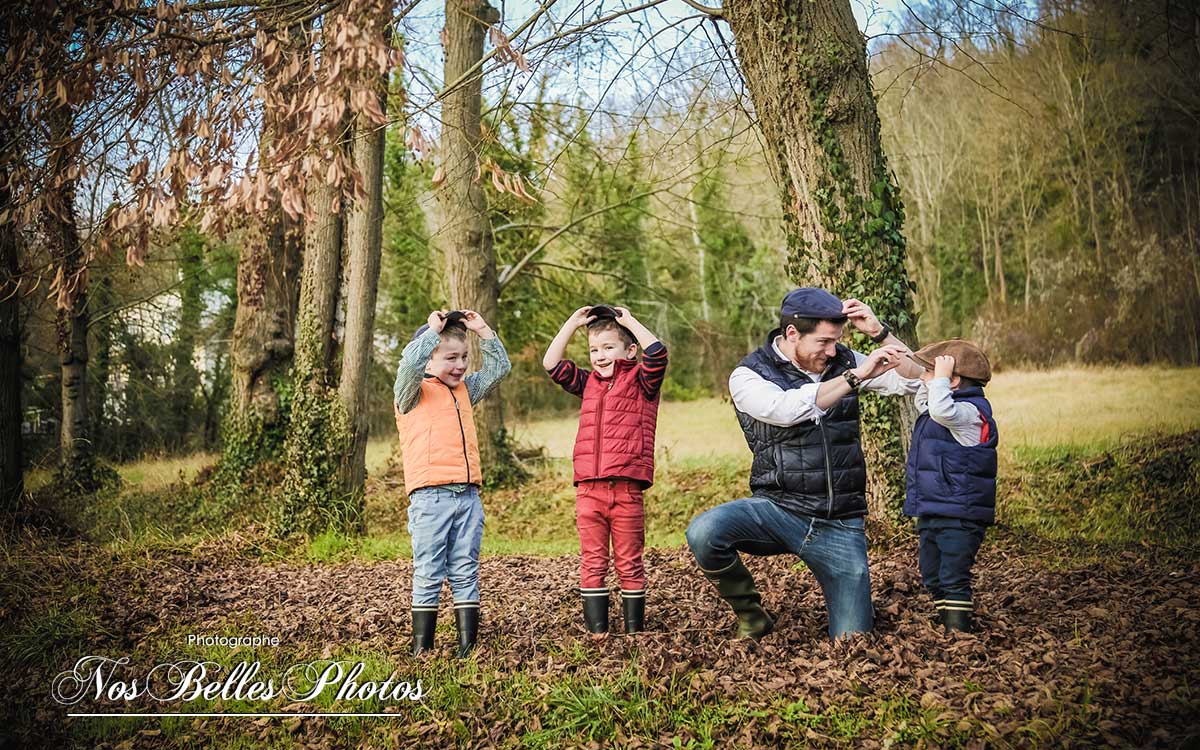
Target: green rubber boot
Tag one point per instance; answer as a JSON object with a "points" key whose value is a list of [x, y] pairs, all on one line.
{"points": [[736, 586]]}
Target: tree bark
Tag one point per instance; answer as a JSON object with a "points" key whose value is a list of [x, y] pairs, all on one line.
{"points": [[467, 234], [364, 245], [185, 379], [76, 452], [268, 294], [805, 65], [11, 469]]}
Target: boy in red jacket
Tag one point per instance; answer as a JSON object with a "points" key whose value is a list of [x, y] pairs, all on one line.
{"points": [[614, 452]]}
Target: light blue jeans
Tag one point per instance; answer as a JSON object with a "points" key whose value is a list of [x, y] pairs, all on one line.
{"points": [[447, 530], [834, 549]]}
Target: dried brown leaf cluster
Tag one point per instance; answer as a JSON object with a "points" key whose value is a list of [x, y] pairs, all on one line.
{"points": [[1070, 654]]}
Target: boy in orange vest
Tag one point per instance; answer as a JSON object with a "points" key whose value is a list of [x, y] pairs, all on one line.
{"points": [[433, 403], [614, 453]]}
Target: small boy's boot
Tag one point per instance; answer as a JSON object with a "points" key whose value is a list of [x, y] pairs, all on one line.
{"points": [[595, 610], [736, 586], [633, 606], [939, 606], [466, 618], [424, 621], [958, 615]]}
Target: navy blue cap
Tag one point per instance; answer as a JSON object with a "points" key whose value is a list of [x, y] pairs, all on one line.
{"points": [[451, 318], [812, 302], [604, 311]]}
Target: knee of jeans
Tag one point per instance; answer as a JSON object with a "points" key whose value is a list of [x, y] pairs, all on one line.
{"points": [[699, 532]]}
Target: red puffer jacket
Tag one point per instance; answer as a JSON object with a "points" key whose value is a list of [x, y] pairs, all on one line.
{"points": [[616, 428]]}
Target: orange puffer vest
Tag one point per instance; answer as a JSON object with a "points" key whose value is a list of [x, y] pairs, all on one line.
{"points": [[437, 438]]}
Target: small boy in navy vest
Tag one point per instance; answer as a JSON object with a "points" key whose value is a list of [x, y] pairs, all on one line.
{"points": [[614, 453], [951, 487]]}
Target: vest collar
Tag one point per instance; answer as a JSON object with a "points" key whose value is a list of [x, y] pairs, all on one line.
{"points": [[781, 359], [972, 391], [619, 365]]}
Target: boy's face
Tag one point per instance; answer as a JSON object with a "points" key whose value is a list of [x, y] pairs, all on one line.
{"points": [[605, 347], [448, 363]]}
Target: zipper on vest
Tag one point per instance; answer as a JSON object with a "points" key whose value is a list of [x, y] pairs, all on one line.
{"points": [[600, 425], [462, 432], [828, 470]]}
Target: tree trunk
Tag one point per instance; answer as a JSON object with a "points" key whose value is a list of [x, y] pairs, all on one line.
{"points": [[317, 431], [364, 244], [185, 379], [805, 65], [77, 469], [11, 470], [262, 343], [469, 254]]}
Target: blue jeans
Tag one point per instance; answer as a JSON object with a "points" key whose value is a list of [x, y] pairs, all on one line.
{"points": [[447, 530], [835, 551], [946, 556]]}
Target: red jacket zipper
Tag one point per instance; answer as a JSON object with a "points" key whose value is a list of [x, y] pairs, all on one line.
{"points": [[600, 425]]}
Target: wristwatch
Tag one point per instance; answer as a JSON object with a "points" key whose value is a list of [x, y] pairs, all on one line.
{"points": [[883, 334], [854, 380]]}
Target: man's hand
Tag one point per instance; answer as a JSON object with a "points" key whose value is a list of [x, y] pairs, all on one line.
{"points": [[437, 320], [862, 317], [879, 361], [943, 366]]}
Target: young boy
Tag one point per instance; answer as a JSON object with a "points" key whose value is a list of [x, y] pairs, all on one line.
{"points": [[614, 453], [433, 403], [952, 473]]}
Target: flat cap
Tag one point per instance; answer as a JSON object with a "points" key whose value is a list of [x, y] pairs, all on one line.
{"points": [[454, 317], [812, 302], [969, 359]]}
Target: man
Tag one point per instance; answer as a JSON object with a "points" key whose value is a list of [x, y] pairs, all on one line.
{"points": [[797, 402]]}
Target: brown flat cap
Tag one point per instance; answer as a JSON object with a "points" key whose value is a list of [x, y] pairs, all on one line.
{"points": [[969, 360]]}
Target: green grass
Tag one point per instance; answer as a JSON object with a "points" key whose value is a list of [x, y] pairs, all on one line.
{"points": [[1051, 424], [1090, 408], [1140, 491]]}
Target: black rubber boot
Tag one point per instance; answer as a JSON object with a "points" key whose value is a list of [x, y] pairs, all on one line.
{"points": [[633, 606], [938, 606], [736, 586], [424, 622], [467, 620], [595, 610], [956, 616]]}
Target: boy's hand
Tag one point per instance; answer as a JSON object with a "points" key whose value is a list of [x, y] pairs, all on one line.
{"points": [[625, 317], [580, 317], [475, 322], [862, 317], [943, 366], [437, 320]]}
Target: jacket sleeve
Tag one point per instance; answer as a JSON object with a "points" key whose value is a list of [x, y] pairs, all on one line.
{"points": [[653, 370], [570, 376], [411, 370], [495, 367]]}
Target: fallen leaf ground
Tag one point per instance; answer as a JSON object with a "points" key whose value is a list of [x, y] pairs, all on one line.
{"points": [[1075, 650]]}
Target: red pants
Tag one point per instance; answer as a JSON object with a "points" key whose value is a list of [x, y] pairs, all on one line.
{"points": [[611, 509]]}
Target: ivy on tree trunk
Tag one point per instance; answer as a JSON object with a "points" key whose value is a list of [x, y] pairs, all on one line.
{"points": [[805, 65]]}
